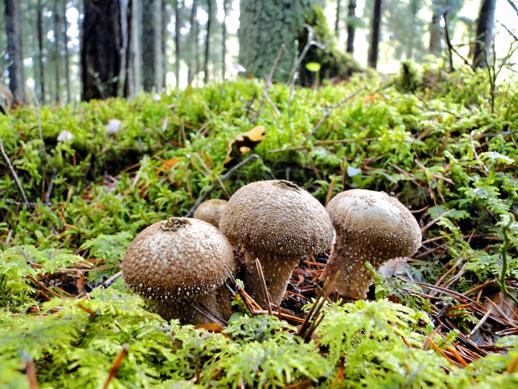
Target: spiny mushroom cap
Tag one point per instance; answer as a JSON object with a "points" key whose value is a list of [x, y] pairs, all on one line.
{"points": [[177, 258], [211, 211], [373, 226], [278, 217]]}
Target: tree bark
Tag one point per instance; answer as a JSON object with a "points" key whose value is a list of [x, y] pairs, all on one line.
{"points": [[101, 49], [210, 7], [14, 50], [41, 53], [57, 52], [484, 37], [267, 25], [351, 28], [66, 53], [177, 40], [193, 66], [166, 18], [375, 35], [152, 45]]}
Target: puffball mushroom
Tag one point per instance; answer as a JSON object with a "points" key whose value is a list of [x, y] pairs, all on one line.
{"points": [[277, 222], [180, 263], [210, 211], [370, 226]]}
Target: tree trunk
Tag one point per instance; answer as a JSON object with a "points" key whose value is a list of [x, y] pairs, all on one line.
{"points": [[210, 7], [351, 29], [193, 63], [226, 6], [101, 49], [267, 25], [435, 34], [337, 18], [41, 54], [375, 35], [65, 52], [484, 37], [166, 18], [177, 38], [57, 52], [133, 82], [152, 45], [414, 8], [14, 50]]}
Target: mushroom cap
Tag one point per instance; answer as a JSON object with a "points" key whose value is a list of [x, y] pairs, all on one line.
{"points": [[374, 225], [211, 211], [277, 216], [177, 258]]}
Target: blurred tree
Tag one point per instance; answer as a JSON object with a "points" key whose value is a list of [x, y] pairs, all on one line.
{"points": [[15, 50], [193, 36], [351, 25], [41, 53], [65, 50], [226, 8], [177, 40], [210, 12], [439, 7], [101, 46], [375, 33], [337, 18], [484, 37], [152, 45], [57, 50], [134, 63]]}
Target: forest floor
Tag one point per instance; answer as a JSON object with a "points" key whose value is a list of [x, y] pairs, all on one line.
{"points": [[89, 177]]}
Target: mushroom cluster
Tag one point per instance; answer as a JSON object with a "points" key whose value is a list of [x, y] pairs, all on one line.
{"points": [[276, 222], [370, 226], [181, 266]]}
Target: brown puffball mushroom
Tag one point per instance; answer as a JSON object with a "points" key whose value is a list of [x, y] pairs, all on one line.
{"points": [[210, 211], [276, 222], [179, 263], [370, 226]]}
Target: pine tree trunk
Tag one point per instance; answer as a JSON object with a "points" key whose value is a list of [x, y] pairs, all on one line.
{"points": [[267, 25], [484, 37], [57, 52], [177, 37], [351, 29], [41, 53], [337, 18], [414, 8], [375, 35], [65, 52], [14, 50], [101, 49], [152, 45], [194, 43], [166, 18], [210, 7]]}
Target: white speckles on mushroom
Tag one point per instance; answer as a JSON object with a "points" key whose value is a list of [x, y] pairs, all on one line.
{"points": [[370, 226], [277, 222], [179, 260]]}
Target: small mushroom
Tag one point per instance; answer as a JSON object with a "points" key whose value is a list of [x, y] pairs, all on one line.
{"points": [[276, 222], [179, 264], [370, 226], [210, 211]]}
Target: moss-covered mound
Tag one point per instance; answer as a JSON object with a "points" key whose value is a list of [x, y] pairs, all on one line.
{"points": [[447, 318]]}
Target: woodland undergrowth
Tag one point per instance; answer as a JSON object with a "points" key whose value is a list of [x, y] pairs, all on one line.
{"points": [[445, 318]]}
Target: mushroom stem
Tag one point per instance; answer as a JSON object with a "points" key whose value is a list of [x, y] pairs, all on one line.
{"points": [[277, 271], [354, 279]]}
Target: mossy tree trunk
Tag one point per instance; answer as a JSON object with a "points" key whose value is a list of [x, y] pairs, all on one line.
{"points": [[267, 25]]}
